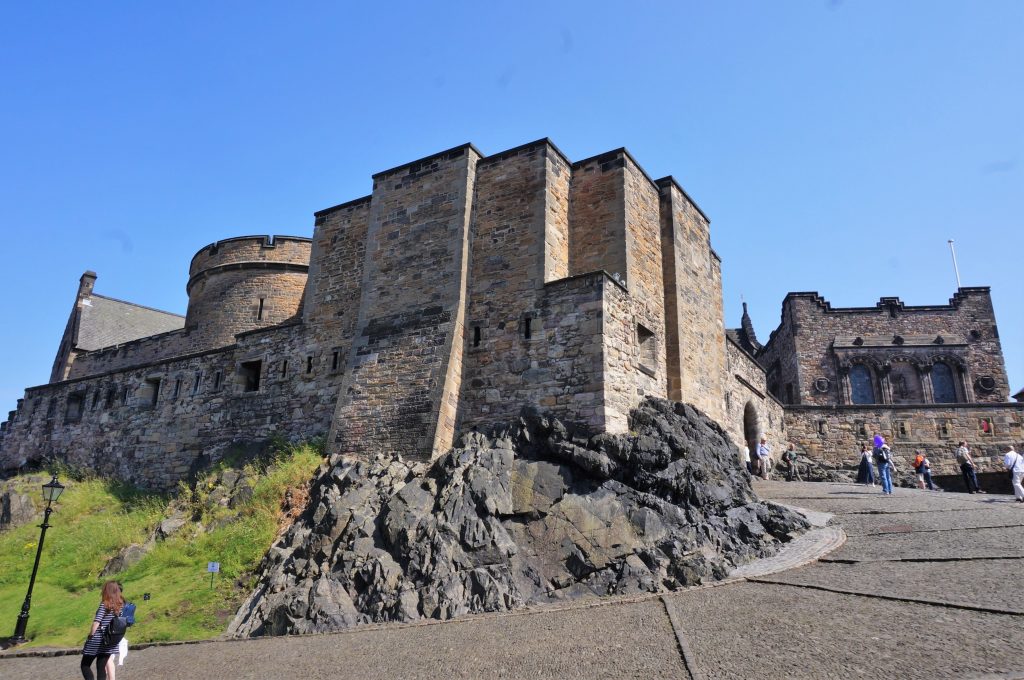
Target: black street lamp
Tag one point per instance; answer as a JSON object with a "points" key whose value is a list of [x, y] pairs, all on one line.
{"points": [[51, 492]]}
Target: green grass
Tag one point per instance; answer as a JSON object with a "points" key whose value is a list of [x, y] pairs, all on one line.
{"points": [[95, 519]]}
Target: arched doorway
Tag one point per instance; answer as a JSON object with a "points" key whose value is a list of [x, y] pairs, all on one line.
{"points": [[751, 431]]}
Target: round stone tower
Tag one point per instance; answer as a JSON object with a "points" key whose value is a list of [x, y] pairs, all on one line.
{"points": [[240, 284]]}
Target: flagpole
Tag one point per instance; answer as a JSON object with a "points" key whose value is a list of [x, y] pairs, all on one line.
{"points": [[956, 270]]}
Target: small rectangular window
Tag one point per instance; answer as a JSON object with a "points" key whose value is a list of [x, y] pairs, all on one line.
{"points": [[822, 427], [73, 412], [218, 378], [96, 398], [153, 390], [177, 388], [309, 365], [476, 336], [334, 360], [902, 429], [111, 395], [527, 328], [125, 394], [250, 371], [197, 382], [284, 368], [861, 427], [259, 311]]}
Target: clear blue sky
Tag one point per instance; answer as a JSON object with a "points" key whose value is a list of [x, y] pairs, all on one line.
{"points": [[835, 145]]}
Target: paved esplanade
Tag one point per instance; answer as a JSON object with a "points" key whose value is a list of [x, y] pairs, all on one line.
{"points": [[927, 585]]}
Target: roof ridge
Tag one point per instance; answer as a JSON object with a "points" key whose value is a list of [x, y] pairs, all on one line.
{"points": [[136, 304]]}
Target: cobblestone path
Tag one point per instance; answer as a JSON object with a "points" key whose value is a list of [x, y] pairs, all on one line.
{"points": [[926, 585]]}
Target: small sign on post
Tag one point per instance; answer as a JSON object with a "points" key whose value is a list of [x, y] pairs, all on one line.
{"points": [[213, 568]]}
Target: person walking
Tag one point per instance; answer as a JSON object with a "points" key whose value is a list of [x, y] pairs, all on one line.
{"points": [[967, 468], [919, 469], [789, 456], [926, 470], [764, 456], [111, 604], [883, 458], [865, 473], [1014, 462]]}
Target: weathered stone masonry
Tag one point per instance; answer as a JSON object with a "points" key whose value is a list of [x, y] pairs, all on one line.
{"points": [[465, 287]]}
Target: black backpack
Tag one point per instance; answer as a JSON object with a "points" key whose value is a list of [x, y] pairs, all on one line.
{"points": [[880, 456], [115, 630]]}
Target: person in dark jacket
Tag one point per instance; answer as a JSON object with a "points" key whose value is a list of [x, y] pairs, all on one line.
{"points": [[111, 604]]}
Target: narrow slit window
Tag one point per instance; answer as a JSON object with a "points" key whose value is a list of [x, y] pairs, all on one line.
{"points": [[648, 345], [217, 378], [177, 388], [284, 368], [125, 393], [196, 383], [259, 311], [527, 328], [334, 360], [309, 365], [476, 336]]}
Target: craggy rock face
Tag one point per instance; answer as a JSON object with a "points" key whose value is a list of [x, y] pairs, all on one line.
{"points": [[526, 515]]}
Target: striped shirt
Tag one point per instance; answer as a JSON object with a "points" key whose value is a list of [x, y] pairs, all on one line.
{"points": [[94, 645]]}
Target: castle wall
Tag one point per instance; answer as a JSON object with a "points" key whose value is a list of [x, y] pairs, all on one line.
{"points": [[597, 216], [244, 283], [967, 325], [331, 308], [510, 259], [402, 370], [151, 424], [746, 391], [694, 334], [835, 434]]}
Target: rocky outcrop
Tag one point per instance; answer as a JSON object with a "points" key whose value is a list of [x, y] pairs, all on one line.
{"points": [[15, 509], [525, 515]]}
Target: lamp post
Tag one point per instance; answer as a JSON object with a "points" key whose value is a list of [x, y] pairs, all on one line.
{"points": [[51, 492]]}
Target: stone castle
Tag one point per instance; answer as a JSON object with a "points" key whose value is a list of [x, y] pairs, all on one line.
{"points": [[467, 286]]}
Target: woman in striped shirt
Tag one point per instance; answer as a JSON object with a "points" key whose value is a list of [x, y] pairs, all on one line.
{"points": [[110, 606]]}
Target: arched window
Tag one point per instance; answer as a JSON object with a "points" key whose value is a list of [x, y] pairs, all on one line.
{"points": [[862, 391], [942, 384]]}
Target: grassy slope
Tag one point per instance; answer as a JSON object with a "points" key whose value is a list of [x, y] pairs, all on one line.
{"points": [[95, 519]]}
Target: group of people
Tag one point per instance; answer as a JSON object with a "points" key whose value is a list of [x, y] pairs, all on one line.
{"points": [[882, 459], [760, 464]]}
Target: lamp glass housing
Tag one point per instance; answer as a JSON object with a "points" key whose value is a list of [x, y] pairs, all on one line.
{"points": [[52, 490]]}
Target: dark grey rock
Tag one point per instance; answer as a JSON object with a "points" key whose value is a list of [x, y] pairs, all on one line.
{"points": [[15, 509], [125, 558], [523, 515]]}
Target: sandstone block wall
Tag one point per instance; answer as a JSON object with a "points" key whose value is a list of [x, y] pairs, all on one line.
{"points": [[750, 410], [835, 434], [152, 423], [400, 372], [801, 351], [244, 283], [695, 332]]}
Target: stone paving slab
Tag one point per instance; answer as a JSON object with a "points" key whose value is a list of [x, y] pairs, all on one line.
{"points": [[975, 518], [812, 546], [632, 640], [994, 584], [876, 503], [1002, 542], [753, 630]]}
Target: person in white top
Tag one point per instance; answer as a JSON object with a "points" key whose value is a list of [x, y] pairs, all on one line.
{"points": [[1014, 462]]}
